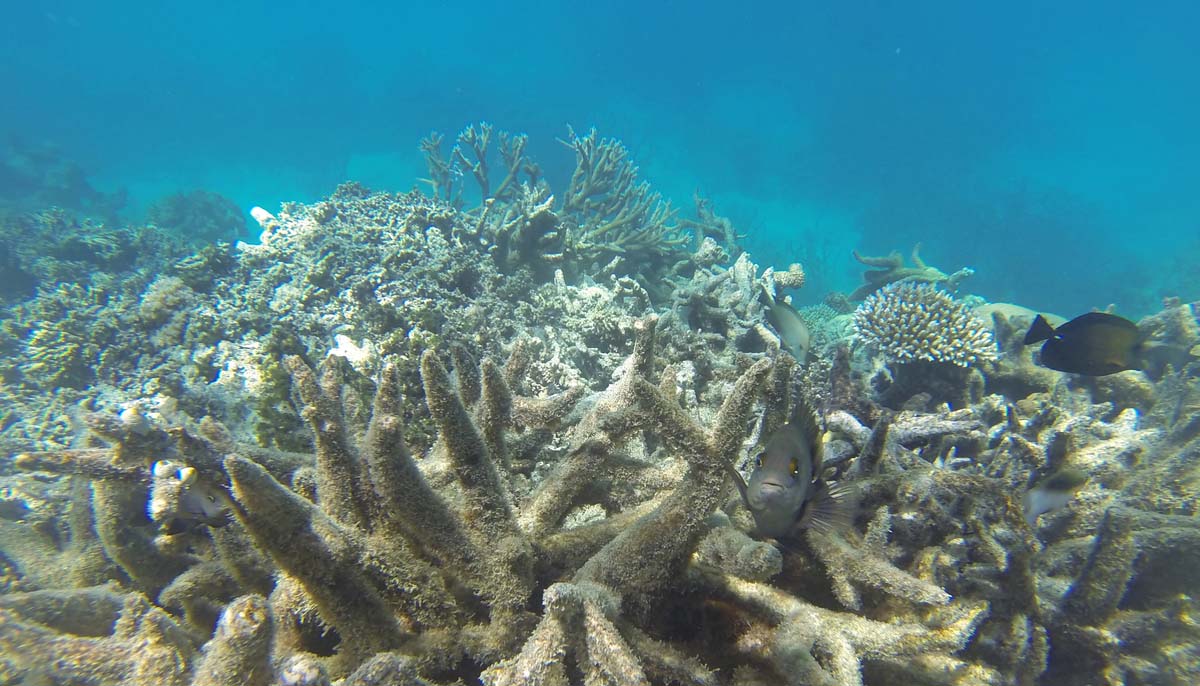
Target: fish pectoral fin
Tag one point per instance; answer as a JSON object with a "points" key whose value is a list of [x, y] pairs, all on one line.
{"points": [[220, 520], [740, 483], [176, 525], [831, 508]]}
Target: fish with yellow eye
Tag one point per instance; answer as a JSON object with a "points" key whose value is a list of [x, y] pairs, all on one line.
{"points": [[182, 501], [785, 492]]}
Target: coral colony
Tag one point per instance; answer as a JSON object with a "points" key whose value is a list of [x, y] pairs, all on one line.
{"points": [[422, 439]]}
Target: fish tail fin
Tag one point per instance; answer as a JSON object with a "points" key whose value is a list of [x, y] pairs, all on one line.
{"points": [[1144, 350], [1039, 331], [830, 509]]}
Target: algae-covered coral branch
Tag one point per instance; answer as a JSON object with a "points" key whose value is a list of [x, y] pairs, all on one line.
{"points": [[803, 631], [891, 268], [647, 554]]}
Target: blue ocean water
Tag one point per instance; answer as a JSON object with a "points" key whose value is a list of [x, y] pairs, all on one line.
{"points": [[1052, 147]]}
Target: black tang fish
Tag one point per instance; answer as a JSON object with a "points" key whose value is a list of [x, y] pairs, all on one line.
{"points": [[1094, 344]]}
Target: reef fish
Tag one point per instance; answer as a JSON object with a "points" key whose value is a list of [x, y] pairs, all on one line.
{"points": [[785, 491], [181, 501], [1095, 344], [787, 322], [1051, 493]]}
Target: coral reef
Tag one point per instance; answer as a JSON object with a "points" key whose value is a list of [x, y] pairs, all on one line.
{"points": [[612, 215], [382, 558], [202, 216], [606, 222], [35, 175], [404, 439]]}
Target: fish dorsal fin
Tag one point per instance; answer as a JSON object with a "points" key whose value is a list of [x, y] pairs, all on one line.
{"points": [[805, 419], [1039, 331], [1089, 319]]}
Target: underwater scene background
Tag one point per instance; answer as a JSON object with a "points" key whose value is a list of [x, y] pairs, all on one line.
{"points": [[607, 343]]}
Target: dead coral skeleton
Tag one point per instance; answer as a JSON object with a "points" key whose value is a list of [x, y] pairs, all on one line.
{"points": [[812, 645], [434, 564], [611, 212], [606, 218], [890, 269]]}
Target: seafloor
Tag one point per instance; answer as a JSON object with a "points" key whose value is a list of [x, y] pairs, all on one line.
{"points": [[419, 439]]}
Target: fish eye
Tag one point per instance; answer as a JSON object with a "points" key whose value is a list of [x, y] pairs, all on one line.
{"points": [[758, 461], [794, 466]]}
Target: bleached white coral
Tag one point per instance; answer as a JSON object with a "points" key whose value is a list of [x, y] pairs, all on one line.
{"points": [[913, 322]]}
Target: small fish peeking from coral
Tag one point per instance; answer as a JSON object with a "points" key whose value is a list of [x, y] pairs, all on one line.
{"points": [[1052, 493], [181, 501], [1093, 344], [785, 493]]}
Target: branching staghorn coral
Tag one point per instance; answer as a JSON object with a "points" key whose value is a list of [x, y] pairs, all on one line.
{"points": [[912, 652], [606, 215], [99, 636], [523, 232], [718, 311], [891, 269], [446, 174], [395, 557], [611, 212], [1086, 596], [952, 526], [582, 630], [512, 153], [709, 224], [1124, 600], [443, 174], [939, 517], [397, 547]]}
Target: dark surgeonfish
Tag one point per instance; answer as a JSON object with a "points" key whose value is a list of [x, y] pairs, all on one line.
{"points": [[1095, 344], [786, 492]]}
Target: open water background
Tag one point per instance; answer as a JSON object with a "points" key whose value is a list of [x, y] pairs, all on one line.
{"points": [[1052, 146]]}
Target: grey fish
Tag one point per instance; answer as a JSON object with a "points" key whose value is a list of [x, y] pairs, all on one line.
{"points": [[785, 492], [204, 505], [790, 326]]}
